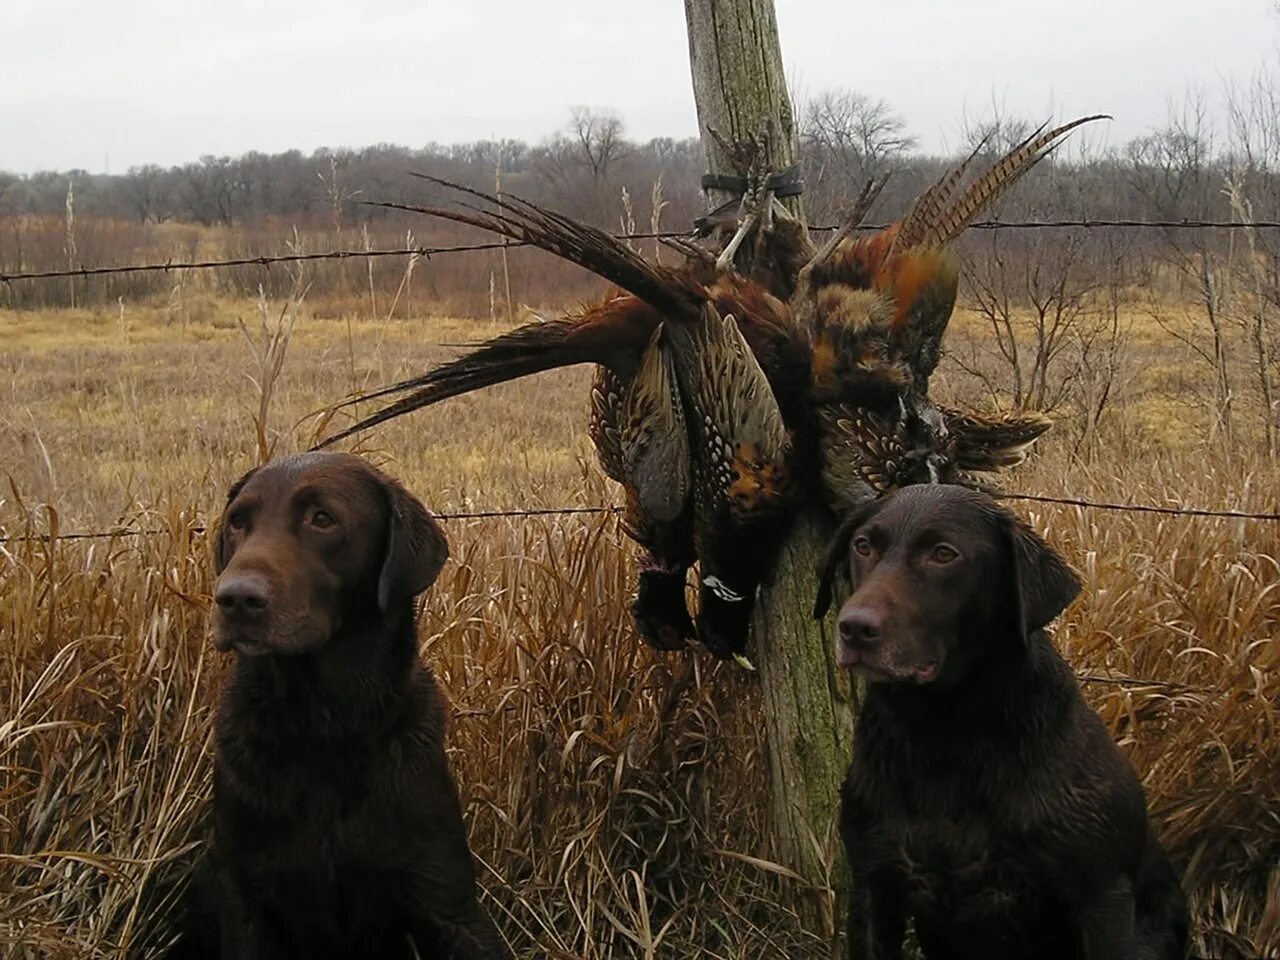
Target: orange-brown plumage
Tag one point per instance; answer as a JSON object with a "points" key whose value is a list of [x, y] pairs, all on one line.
{"points": [[910, 261]]}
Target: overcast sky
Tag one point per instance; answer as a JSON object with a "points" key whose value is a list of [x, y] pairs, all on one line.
{"points": [[111, 83]]}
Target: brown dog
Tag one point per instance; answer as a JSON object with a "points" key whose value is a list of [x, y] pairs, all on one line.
{"points": [[986, 801], [338, 831]]}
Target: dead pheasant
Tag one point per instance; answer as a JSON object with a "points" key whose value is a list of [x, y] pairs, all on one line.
{"points": [[683, 415], [877, 308], [717, 404]]}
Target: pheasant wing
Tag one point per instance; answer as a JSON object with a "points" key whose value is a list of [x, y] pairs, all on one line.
{"points": [[862, 454], [654, 437], [741, 471]]}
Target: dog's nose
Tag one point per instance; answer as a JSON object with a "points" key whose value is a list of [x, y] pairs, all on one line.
{"points": [[860, 627], [242, 596]]}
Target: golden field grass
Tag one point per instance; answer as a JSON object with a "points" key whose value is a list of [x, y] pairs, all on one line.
{"points": [[614, 796]]}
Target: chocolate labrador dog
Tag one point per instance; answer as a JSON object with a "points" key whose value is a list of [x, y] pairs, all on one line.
{"points": [[986, 800], [337, 826]]}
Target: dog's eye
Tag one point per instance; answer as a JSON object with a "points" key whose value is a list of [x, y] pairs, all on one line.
{"points": [[321, 519], [944, 553], [236, 521], [862, 546]]}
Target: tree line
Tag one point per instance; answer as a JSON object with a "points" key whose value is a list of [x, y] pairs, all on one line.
{"points": [[1174, 172]]}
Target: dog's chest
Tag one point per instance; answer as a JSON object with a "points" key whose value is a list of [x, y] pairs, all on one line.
{"points": [[952, 842], [318, 824], [961, 870], [331, 869], [322, 780]]}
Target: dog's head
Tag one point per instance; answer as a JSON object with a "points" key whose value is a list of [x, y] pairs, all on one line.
{"points": [[308, 544], [941, 575]]}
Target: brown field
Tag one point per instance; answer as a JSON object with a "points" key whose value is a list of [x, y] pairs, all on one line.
{"points": [[614, 796]]}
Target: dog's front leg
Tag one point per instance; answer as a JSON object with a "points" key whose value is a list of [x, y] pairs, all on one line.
{"points": [[877, 921], [1106, 924], [445, 918], [244, 932], [877, 915], [472, 937]]}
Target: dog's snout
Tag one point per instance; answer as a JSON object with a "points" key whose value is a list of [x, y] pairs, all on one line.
{"points": [[860, 627], [242, 596]]}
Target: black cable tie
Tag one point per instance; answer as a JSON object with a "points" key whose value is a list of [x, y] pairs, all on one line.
{"points": [[788, 183]]}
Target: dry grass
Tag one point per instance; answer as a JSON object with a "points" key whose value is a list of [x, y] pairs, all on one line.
{"points": [[613, 795]]}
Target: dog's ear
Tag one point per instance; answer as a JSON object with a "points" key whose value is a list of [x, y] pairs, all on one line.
{"points": [[221, 556], [416, 547], [836, 560], [1044, 583]]}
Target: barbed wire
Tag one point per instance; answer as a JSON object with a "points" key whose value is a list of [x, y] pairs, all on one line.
{"points": [[1088, 223], [1084, 677], [1115, 679], [199, 528], [1222, 514], [1123, 680], [166, 266]]}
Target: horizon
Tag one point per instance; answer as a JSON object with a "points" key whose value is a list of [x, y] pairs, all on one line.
{"points": [[1086, 139]]}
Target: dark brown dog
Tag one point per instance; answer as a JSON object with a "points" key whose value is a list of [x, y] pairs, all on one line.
{"points": [[986, 801], [338, 831]]}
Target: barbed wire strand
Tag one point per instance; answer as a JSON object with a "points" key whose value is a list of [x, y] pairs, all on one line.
{"points": [[428, 252], [199, 529], [1113, 679], [1223, 514]]}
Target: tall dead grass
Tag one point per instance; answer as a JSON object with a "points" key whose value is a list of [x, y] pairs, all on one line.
{"points": [[614, 796]]}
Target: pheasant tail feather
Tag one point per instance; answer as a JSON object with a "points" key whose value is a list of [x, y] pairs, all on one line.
{"points": [[989, 187], [603, 254]]}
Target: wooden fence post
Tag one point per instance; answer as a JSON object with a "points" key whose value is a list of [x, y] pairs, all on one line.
{"points": [[740, 89]]}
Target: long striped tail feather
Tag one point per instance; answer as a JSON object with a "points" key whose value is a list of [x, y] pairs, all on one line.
{"points": [[667, 289], [941, 224]]}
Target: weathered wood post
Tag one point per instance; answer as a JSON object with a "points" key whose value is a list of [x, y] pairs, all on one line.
{"points": [[740, 89], [738, 83]]}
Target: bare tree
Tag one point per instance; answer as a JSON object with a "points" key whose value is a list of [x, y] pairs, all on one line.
{"points": [[853, 137], [1253, 304], [994, 133], [581, 159], [1253, 191], [1104, 347], [1035, 292], [147, 190], [211, 189], [1173, 170], [599, 135]]}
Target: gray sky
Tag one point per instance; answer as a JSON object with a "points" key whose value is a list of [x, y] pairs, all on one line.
{"points": [[84, 83]]}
